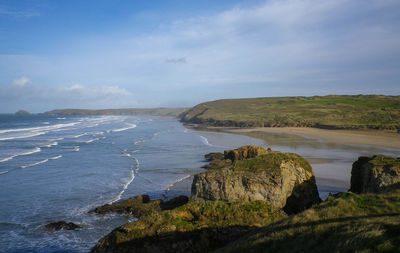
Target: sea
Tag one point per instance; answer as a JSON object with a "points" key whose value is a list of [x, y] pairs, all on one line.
{"points": [[55, 168]]}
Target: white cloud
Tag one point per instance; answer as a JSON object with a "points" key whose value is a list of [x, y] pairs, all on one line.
{"points": [[21, 82]]}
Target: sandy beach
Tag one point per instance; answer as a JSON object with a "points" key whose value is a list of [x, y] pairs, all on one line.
{"points": [[360, 137]]}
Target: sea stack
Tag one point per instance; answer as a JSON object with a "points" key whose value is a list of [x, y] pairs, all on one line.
{"points": [[285, 180]]}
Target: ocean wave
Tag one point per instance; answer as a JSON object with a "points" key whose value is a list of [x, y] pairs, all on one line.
{"points": [[90, 141], [138, 141], [41, 162], [22, 136], [54, 143], [176, 181], [80, 135], [130, 126], [76, 148], [35, 150], [42, 128], [3, 172], [205, 141], [124, 187], [61, 118]]}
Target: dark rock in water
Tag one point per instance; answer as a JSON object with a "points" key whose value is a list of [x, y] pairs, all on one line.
{"points": [[214, 156], [376, 174], [140, 205], [22, 112], [283, 179], [55, 226]]}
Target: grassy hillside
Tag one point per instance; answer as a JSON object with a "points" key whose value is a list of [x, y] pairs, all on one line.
{"points": [[372, 111], [348, 223], [170, 112]]}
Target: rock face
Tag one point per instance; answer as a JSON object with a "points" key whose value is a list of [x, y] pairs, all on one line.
{"points": [[283, 179], [376, 174], [61, 225], [140, 205]]}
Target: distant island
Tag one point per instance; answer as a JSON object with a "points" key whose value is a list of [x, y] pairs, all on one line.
{"points": [[166, 112], [330, 112], [22, 112]]}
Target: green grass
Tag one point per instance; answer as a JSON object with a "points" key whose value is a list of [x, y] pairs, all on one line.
{"points": [[192, 217], [381, 160], [347, 223], [352, 112], [271, 161]]}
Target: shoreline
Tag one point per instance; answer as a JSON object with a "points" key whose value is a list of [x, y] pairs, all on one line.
{"points": [[355, 137]]}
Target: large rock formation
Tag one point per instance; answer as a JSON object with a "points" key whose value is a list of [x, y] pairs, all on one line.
{"points": [[283, 179], [375, 174]]}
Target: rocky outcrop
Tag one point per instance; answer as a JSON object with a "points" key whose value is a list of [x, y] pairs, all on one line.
{"points": [[376, 174], [55, 226], [283, 179], [214, 156], [140, 205]]}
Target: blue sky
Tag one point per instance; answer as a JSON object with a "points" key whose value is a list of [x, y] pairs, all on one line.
{"points": [[113, 54]]}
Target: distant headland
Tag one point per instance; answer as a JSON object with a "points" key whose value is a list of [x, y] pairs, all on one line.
{"points": [[22, 112]]}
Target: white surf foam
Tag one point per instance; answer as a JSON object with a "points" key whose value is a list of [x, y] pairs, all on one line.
{"points": [[40, 162], [22, 136], [124, 187], [176, 181], [54, 143], [90, 141], [79, 135], [61, 118], [42, 128], [35, 150], [130, 126], [76, 148], [205, 141], [4, 172]]}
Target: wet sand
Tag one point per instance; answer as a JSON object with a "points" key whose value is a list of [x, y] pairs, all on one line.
{"points": [[358, 137]]}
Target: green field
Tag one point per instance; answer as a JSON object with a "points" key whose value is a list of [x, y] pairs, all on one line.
{"points": [[334, 111]]}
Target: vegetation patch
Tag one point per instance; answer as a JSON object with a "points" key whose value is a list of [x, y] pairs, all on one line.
{"points": [[271, 161]]}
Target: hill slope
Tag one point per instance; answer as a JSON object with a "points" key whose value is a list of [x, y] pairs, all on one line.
{"points": [[351, 112]]}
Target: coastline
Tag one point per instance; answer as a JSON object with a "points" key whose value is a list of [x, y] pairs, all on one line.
{"points": [[356, 137]]}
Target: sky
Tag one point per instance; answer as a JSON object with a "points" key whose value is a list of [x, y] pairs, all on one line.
{"points": [[178, 53]]}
